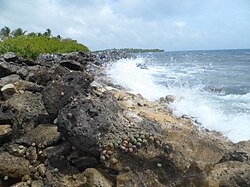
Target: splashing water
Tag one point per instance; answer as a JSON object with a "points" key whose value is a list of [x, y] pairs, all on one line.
{"points": [[215, 109]]}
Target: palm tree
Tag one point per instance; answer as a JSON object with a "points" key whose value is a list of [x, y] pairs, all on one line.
{"points": [[47, 33], [18, 32], [5, 33]]}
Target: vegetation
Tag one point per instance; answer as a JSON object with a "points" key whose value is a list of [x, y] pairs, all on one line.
{"points": [[30, 45]]}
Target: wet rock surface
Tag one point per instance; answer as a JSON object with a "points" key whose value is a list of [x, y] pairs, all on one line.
{"points": [[63, 123]]}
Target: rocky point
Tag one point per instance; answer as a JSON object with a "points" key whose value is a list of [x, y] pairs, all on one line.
{"points": [[64, 123]]}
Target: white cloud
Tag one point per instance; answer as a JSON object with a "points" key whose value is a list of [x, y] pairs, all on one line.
{"points": [[166, 24]]}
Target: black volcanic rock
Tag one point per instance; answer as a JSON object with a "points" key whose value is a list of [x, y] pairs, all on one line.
{"points": [[90, 123]]}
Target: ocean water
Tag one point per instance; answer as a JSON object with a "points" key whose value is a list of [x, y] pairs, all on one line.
{"points": [[213, 87]]}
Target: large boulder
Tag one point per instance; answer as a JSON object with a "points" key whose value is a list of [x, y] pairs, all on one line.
{"points": [[89, 123]]}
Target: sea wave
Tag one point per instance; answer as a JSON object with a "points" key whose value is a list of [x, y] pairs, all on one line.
{"points": [[210, 109]]}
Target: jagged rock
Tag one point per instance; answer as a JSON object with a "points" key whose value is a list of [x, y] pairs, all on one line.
{"points": [[5, 132], [72, 65], [235, 156], [86, 123], [13, 166], [43, 135], [8, 68], [42, 75], [58, 94], [25, 111], [231, 173], [9, 79]]}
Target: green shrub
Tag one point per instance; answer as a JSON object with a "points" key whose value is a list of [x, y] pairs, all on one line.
{"points": [[31, 46]]}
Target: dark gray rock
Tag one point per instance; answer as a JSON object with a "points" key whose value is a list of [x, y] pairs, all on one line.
{"points": [[56, 151], [235, 156], [58, 94], [81, 161], [13, 166], [31, 154], [90, 123], [9, 79], [7, 68], [24, 110], [42, 75], [72, 65]]}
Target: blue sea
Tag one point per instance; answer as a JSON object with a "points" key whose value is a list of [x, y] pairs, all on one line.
{"points": [[212, 87]]}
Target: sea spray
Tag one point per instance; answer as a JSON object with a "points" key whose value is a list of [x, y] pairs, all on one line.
{"points": [[192, 86], [128, 74]]}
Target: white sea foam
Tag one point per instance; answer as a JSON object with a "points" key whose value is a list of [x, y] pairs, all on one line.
{"points": [[209, 109], [126, 73]]}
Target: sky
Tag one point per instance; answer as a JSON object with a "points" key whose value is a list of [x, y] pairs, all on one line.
{"points": [[164, 24]]}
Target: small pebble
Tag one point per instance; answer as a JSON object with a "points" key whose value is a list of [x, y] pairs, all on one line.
{"points": [[125, 142], [33, 144], [142, 136], [151, 138], [69, 115], [102, 157], [139, 140], [114, 161], [122, 147], [74, 177], [159, 165], [130, 145], [62, 93], [56, 170], [126, 168], [138, 144], [137, 136], [145, 142], [109, 152], [130, 149], [6, 178], [104, 152]]}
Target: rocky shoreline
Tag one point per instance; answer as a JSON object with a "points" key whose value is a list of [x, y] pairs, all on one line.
{"points": [[63, 123]]}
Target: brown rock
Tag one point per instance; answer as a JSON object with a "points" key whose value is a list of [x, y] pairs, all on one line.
{"points": [[5, 132], [95, 178], [43, 135], [13, 166]]}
